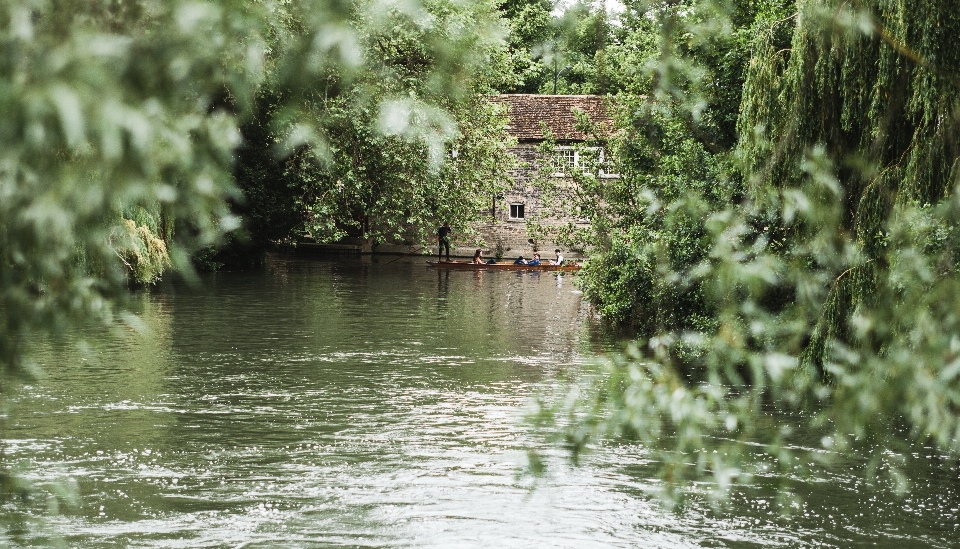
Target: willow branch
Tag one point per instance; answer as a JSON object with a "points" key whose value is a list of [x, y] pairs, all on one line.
{"points": [[905, 50]]}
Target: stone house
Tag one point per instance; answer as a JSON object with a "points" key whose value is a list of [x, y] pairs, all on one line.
{"points": [[532, 119]]}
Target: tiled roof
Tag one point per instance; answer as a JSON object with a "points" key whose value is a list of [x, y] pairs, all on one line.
{"points": [[527, 111]]}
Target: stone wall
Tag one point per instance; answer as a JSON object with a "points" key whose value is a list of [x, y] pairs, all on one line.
{"points": [[512, 233]]}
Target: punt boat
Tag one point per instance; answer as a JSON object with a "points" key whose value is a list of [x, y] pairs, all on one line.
{"points": [[502, 266]]}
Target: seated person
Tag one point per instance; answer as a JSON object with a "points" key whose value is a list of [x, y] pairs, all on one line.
{"points": [[476, 258], [559, 260], [535, 260], [520, 261]]}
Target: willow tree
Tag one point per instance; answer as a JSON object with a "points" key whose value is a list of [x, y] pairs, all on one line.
{"points": [[676, 102], [882, 105], [834, 279]]}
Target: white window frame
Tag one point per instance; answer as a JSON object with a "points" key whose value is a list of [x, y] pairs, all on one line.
{"points": [[523, 210], [603, 164], [563, 151], [556, 165]]}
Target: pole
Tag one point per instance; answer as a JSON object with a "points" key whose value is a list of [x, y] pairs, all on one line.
{"points": [[556, 74], [404, 255]]}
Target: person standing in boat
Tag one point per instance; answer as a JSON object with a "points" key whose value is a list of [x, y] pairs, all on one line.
{"points": [[443, 240], [559, 259]]}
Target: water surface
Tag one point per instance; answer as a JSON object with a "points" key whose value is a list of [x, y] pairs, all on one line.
{"points": [[356, 403]]}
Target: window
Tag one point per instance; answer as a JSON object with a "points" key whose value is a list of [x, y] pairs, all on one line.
{"points": [[566, 159], [516, 211], [608, 166]]}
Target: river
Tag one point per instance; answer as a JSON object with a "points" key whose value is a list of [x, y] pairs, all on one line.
{"points": [[367, 403]]}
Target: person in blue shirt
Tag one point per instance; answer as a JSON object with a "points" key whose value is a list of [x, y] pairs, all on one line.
{"points": [[535, 260]]}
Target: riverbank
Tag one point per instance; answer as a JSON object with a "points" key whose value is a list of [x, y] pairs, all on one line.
{"points": [[458, 252]]}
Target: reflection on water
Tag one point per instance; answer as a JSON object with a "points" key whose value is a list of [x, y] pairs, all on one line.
{"points": [[355, 403]]}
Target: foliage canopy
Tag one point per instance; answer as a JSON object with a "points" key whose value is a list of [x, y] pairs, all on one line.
{"points": [[408, 140], [810, 273]]}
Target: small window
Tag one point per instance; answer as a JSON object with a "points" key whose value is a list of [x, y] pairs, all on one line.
{"points": [[516, 211]]}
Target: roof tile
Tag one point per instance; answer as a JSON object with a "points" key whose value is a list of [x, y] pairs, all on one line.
{"points": [[527, 111]]}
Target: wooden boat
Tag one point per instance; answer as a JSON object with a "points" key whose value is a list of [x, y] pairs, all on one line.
{"points": [[502, 266]]}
